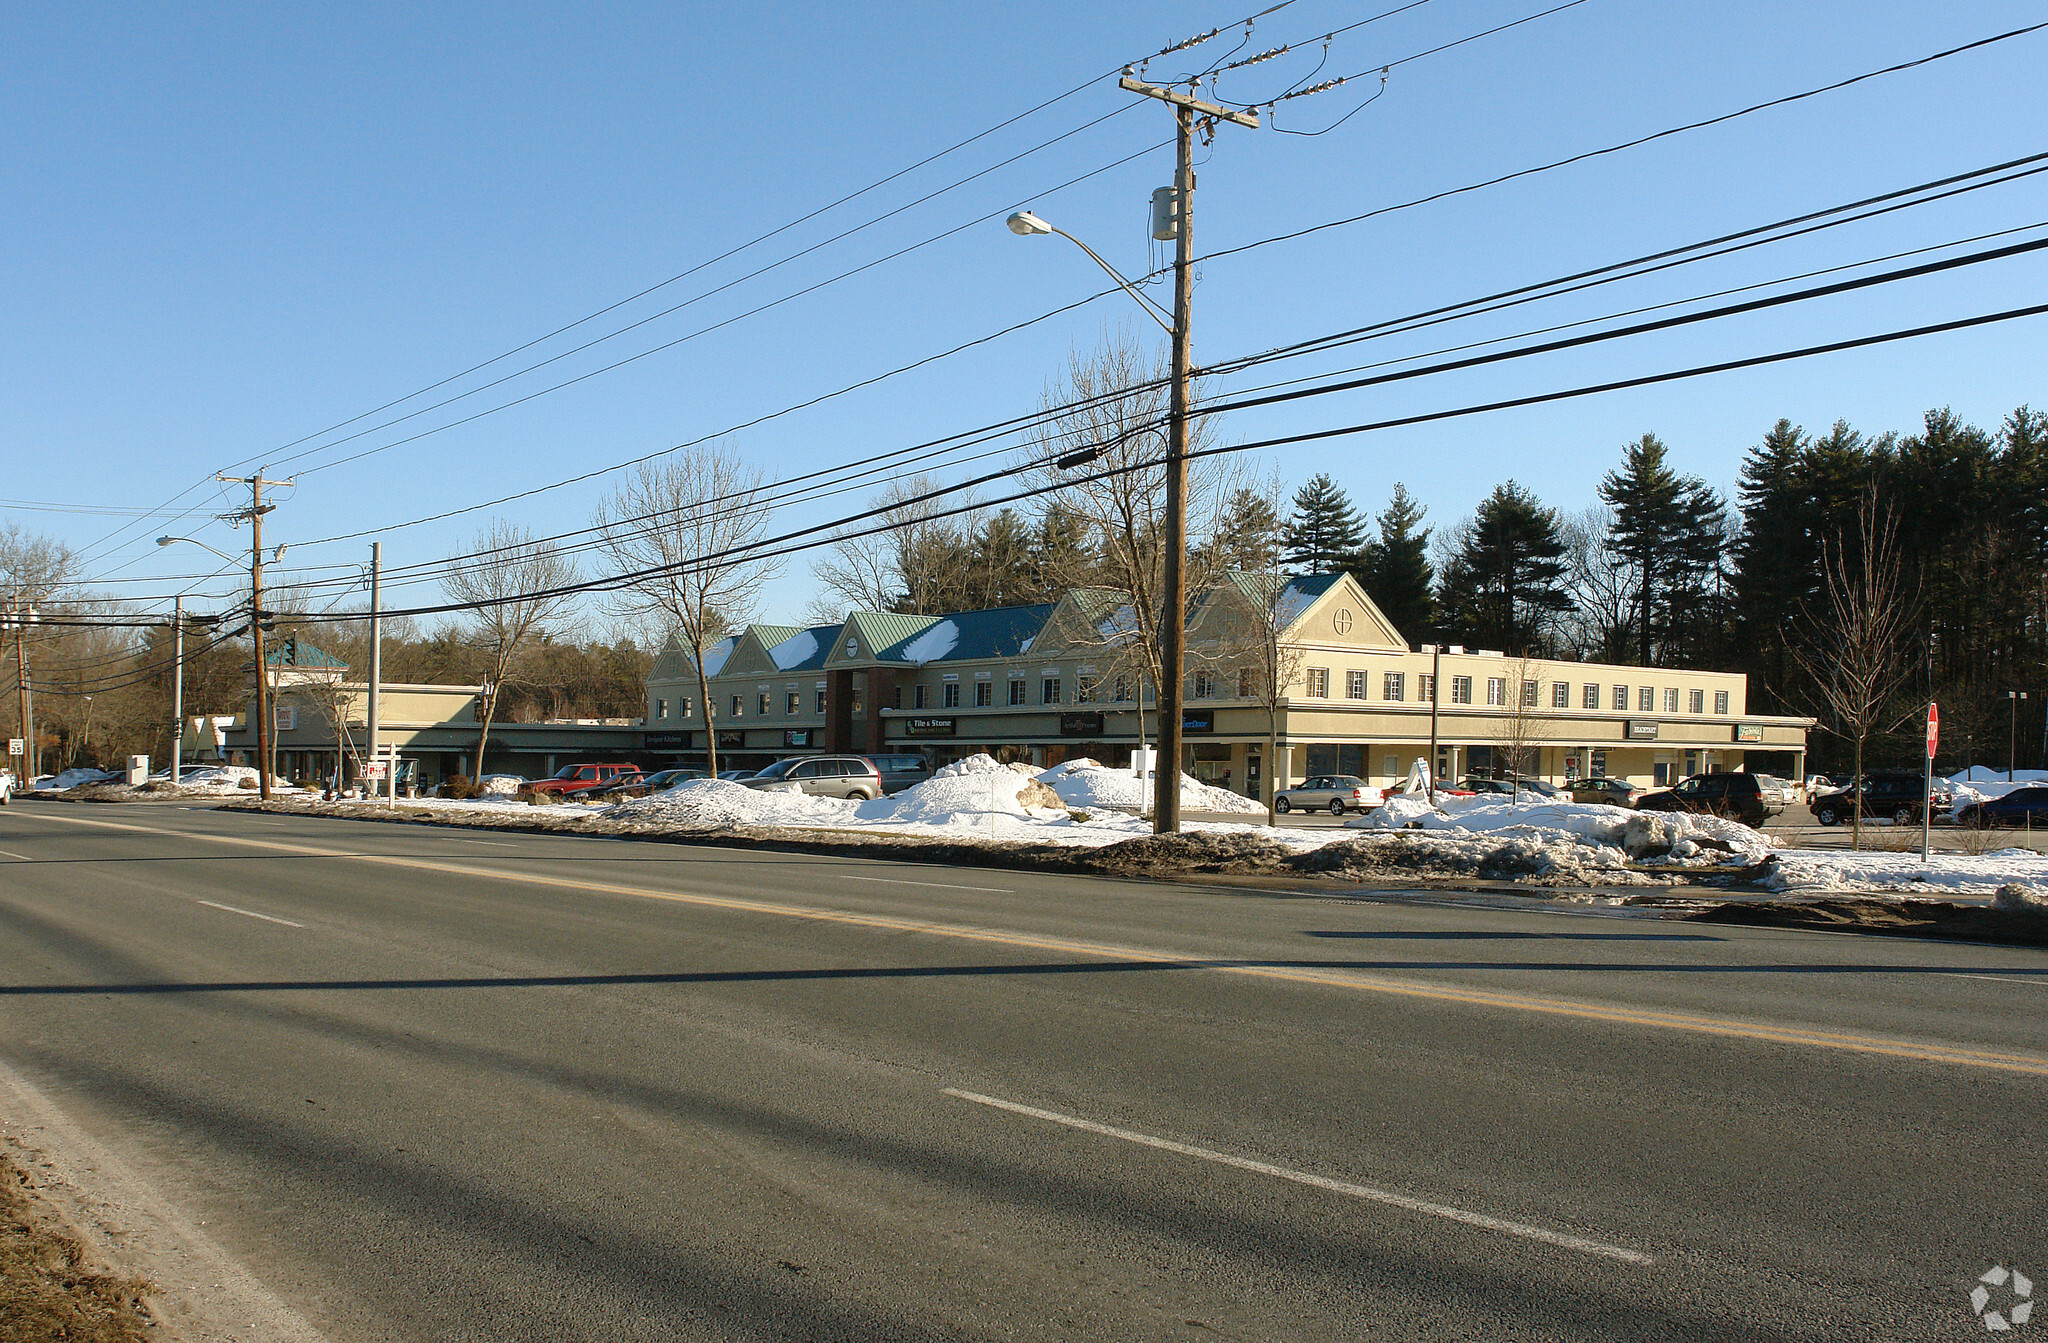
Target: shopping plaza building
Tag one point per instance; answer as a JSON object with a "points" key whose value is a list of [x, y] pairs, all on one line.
{"points": [[1054, 682]]}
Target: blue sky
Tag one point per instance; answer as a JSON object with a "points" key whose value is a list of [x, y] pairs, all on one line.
{"points": [[234, 226]]}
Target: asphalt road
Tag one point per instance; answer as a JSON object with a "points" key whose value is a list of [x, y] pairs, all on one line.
{"points": [[424, 1084]]}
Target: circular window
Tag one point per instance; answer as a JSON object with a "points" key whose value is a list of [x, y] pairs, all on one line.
{"points": [[1342, 620]]}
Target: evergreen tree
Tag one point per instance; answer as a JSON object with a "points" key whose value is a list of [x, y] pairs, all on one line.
{"points": [[1001, 571], [1248, 534], [1774, 563], [1505, 580], [1396, 573], [1325, 531], [1668, 531], [1061, 552]]}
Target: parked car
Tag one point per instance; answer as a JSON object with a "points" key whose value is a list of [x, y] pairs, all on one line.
{"points": [[1780, 793], [735, 775], [1511, 786], [572, 779], [902, 771], [640, 785], [2022, 806], [1899, 796], [1608, 792], [849, 776], [6, 787], [1334, 793], [1739, 797]]}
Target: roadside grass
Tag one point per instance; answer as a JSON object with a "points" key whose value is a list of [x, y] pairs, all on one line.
{"points": [[50, 1285]]}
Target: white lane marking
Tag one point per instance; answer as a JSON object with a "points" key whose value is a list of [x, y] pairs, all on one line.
{"points": [[935, 885], [494, 843], [250, 913], [1478, 1219], [12, 854], [2005, 979]]}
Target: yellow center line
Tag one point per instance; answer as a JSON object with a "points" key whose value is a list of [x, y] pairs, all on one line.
{"points": [[1692, 1023]]}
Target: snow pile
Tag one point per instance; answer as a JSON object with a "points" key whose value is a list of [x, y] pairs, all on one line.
{"points": [[1676, 839], [71, 778], [715, 803], [223, 779], [1086, 783], [965, 791], [499, 785], [1834, 871], [935, 642], [1547, 857]]}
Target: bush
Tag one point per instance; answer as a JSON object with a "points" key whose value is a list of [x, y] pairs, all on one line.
{"points": [[529, 797], [458, 786]]}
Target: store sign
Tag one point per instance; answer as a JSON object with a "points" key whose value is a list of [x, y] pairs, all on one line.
{"points": [[287, 718], [1642, 729], [666, 741], [1202, 721], [928, 727], [1080, 725], [1749, 732], [798, 737], [732, 739]]}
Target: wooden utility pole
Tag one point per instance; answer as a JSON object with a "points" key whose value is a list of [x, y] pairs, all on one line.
{"points": [[376, 658], [1173, 619], [21, 614], [177, 689], [257, 508]]}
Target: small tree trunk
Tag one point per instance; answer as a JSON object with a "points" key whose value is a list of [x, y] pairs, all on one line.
{"points": [[710, 732]]}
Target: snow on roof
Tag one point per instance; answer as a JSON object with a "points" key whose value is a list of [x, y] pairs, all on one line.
{"points": [[715, 656], [794, 651], [933, 644], [1120, 626]]}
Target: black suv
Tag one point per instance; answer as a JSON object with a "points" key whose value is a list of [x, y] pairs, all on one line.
{"points": [[1739, 797], [1899, 797]]}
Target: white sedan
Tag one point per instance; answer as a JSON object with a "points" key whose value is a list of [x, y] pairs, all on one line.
{"points": [[1334, 793]]}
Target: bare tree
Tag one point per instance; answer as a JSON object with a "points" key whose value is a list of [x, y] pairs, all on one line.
{"points": [[511, 582], [1515, 728], [683, 528], [1261, 606], [909, 559], [1117, 404], [1855, 646], [1600, 624]]}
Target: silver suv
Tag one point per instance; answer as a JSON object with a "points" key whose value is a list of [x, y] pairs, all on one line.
{"points": [[849, 776]]}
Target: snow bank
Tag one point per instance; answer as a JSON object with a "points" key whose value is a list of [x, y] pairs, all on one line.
{"points": [[71, 778], [1085, 783], [1834, 871], [711, 803], [499, 785], [1675, 839], [965, 790]]}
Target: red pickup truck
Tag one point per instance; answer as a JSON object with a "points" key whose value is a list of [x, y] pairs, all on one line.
{"points": [[572, 779]]}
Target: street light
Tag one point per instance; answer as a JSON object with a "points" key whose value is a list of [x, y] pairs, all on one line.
{"points": [[1173, 624]]}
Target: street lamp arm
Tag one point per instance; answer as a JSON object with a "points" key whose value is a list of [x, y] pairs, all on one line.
{"points": [[167, 540], [1152, 310]]}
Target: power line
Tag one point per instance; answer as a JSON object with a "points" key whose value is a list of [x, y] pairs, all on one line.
{"points": [[782, 544], [1626, 144]]}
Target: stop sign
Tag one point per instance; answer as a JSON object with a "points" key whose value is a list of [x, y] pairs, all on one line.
{"points": [[1933, 728]]}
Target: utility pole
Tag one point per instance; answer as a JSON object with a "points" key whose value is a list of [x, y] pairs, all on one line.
{"points": [[257, 508], [19, 618], [1173, 644], [1436, 680], [376, 652], [177, 688]]}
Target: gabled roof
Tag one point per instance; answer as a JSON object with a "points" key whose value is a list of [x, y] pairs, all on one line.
{"points": [[781, 650], [295, 652], [676, 664], [969, 636], [870, 631]]}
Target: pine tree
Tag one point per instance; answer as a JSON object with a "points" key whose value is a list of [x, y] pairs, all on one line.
{"points": [[1506, 577], [1668, 531], [1325, 531], [1396, 573], [1248, 535], [1774, 564]]}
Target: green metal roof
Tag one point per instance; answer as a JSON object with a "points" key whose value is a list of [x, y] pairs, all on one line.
{"points": [[295, 652]]}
